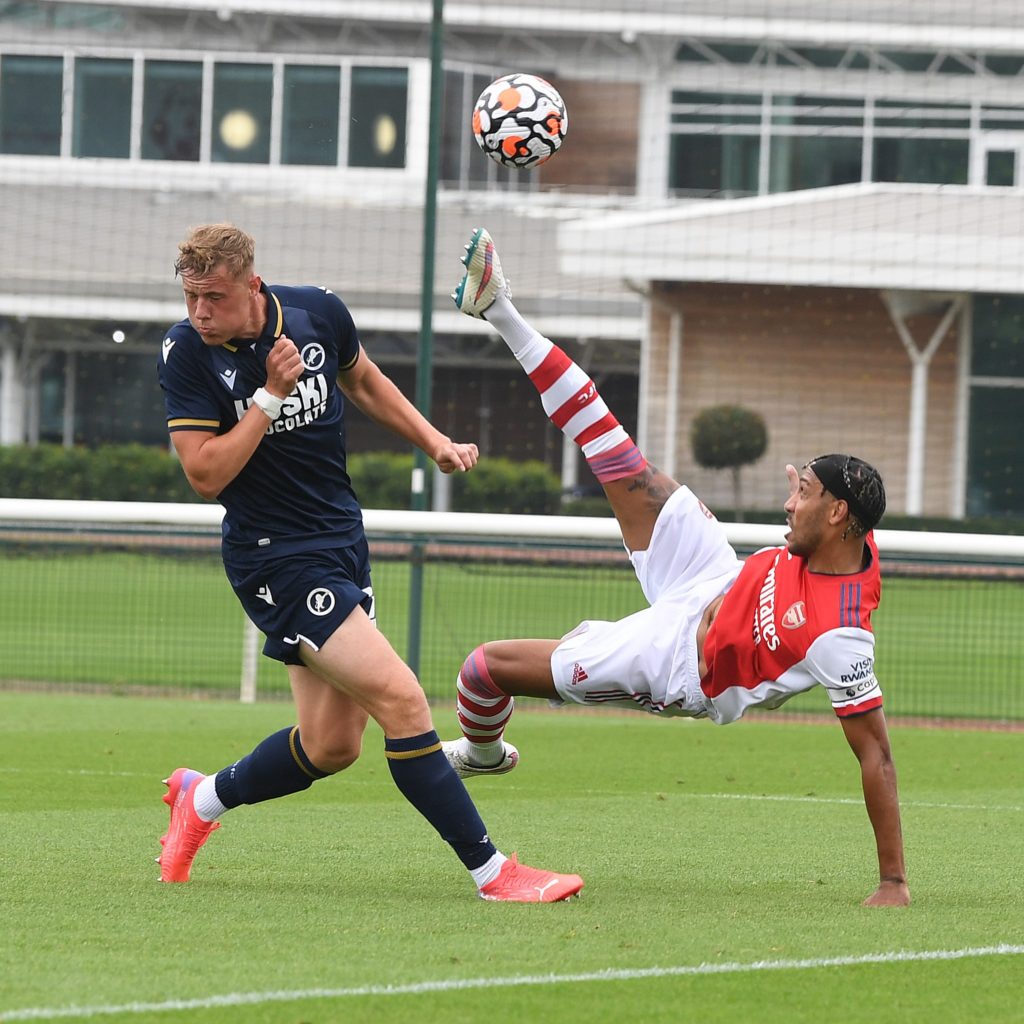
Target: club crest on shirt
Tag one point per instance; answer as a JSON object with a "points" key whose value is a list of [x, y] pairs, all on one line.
{"points": [[796, 616], [313, 356]]}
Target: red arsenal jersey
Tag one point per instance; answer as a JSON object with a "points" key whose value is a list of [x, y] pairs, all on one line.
{"points": [[783, 629]]}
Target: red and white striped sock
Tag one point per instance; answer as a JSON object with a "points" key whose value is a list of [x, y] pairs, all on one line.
{"points": [[483, 710], [569, 396]]}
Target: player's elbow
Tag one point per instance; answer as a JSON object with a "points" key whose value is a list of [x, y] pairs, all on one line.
{"points": [[204, 487]]}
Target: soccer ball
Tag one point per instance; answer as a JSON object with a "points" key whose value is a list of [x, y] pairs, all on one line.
{"points": [[520, 121]]}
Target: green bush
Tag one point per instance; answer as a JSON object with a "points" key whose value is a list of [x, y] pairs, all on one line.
{"points": [[727, 437], [138, 473], [130, 472], [501, 485], [381, 479], [595, 506]]}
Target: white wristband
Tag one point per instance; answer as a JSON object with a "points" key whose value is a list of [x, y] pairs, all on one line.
{"points": [[269, 403]]}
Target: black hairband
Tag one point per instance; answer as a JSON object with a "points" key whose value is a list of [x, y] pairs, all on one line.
{"points": [[834, 473]]}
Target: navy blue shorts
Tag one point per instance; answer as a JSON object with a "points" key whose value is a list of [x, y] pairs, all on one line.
{"points": [[304, 596]]}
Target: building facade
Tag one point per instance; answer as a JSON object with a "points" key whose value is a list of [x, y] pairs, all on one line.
{"points": [[816, 215]]}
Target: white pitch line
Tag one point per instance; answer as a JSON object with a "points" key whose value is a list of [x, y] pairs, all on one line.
{"points": [[851, 800], [459, 985]]}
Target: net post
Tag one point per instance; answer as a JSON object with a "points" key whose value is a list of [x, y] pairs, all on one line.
{"points": [[250, 656]]}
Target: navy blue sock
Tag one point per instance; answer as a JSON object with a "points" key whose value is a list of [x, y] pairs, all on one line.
{"points": [[429, 783], [277, 767]]}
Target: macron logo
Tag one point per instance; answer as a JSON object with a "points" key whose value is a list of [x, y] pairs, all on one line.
{"points": [[228, 376], [167, 346], [263, 593]]}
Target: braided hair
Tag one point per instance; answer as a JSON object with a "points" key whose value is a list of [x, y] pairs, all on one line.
{"points": [[857, 483]]}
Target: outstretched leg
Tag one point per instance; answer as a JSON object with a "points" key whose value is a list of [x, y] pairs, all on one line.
{"points": [[636, 490], [497, 671], [488, 680]]}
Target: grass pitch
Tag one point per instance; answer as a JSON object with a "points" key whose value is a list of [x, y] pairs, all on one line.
{"points": [[724, 870], [945, 647]]}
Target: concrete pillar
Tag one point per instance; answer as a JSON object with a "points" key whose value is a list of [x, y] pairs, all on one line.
{"points": [[12, 395]]}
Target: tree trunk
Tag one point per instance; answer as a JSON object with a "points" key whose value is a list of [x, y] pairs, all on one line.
{"points": [[737, 496]]}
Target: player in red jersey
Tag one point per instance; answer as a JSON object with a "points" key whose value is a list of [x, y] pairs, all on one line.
{"points": [[721, 635]]}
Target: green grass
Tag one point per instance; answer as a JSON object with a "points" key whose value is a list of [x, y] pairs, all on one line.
{"points": [[945, 647], [699, 845]]}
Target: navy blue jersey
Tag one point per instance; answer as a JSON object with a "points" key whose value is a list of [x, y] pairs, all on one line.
{"points": [[294, 493]]}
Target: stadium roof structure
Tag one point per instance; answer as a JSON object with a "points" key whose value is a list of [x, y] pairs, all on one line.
{"points": [[990, 25], [940, 238]]}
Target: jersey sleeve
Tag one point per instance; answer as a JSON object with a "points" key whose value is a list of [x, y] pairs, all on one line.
{"points": [[843, 661], [187, 398], [345, 331]]}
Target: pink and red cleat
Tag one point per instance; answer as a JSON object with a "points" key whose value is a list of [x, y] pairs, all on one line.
{"points": [[517, 883], [187, 831]]}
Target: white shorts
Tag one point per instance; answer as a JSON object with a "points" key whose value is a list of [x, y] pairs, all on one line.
{"points": [[648, 660]]}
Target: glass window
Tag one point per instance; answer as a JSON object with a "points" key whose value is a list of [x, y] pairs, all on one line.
{"points": [[171, 110], [241, 113], [1004, 64], [932, 161], [1001, 167], [714, 164], [123, 395], [953, 65], [689, 53], [309, 130], [995, 452], [51, 397], [737, 53], [908, 60], [462, 162], [997, 328], [457, 142], [824, 111], [103, 108], [856, 60], [31, 101], [813, 162], [715, 108], [820, 57], [898, 114], [377, 117], [1002, 119]]}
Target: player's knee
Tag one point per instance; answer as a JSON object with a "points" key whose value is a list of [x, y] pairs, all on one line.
{"points": [[333, 754], [401, 708], [475, 675], [501, 661]]}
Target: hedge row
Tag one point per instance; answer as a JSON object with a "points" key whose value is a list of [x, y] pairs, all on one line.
{"points": [[140, 473], [382, 479]]}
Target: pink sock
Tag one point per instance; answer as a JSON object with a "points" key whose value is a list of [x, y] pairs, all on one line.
{"points": [[483, 709]]}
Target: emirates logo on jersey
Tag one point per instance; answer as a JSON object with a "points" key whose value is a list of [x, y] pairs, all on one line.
{"points": [[796, 616]]}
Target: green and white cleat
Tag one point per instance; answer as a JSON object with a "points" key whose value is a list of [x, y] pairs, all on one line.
{"points": [[483, 280]]}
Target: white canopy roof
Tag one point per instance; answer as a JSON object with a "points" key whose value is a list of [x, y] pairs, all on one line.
{"points": [[919, 237]]}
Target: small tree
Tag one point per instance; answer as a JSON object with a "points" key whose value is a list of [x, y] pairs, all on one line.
{"points": [[729, 437]]}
